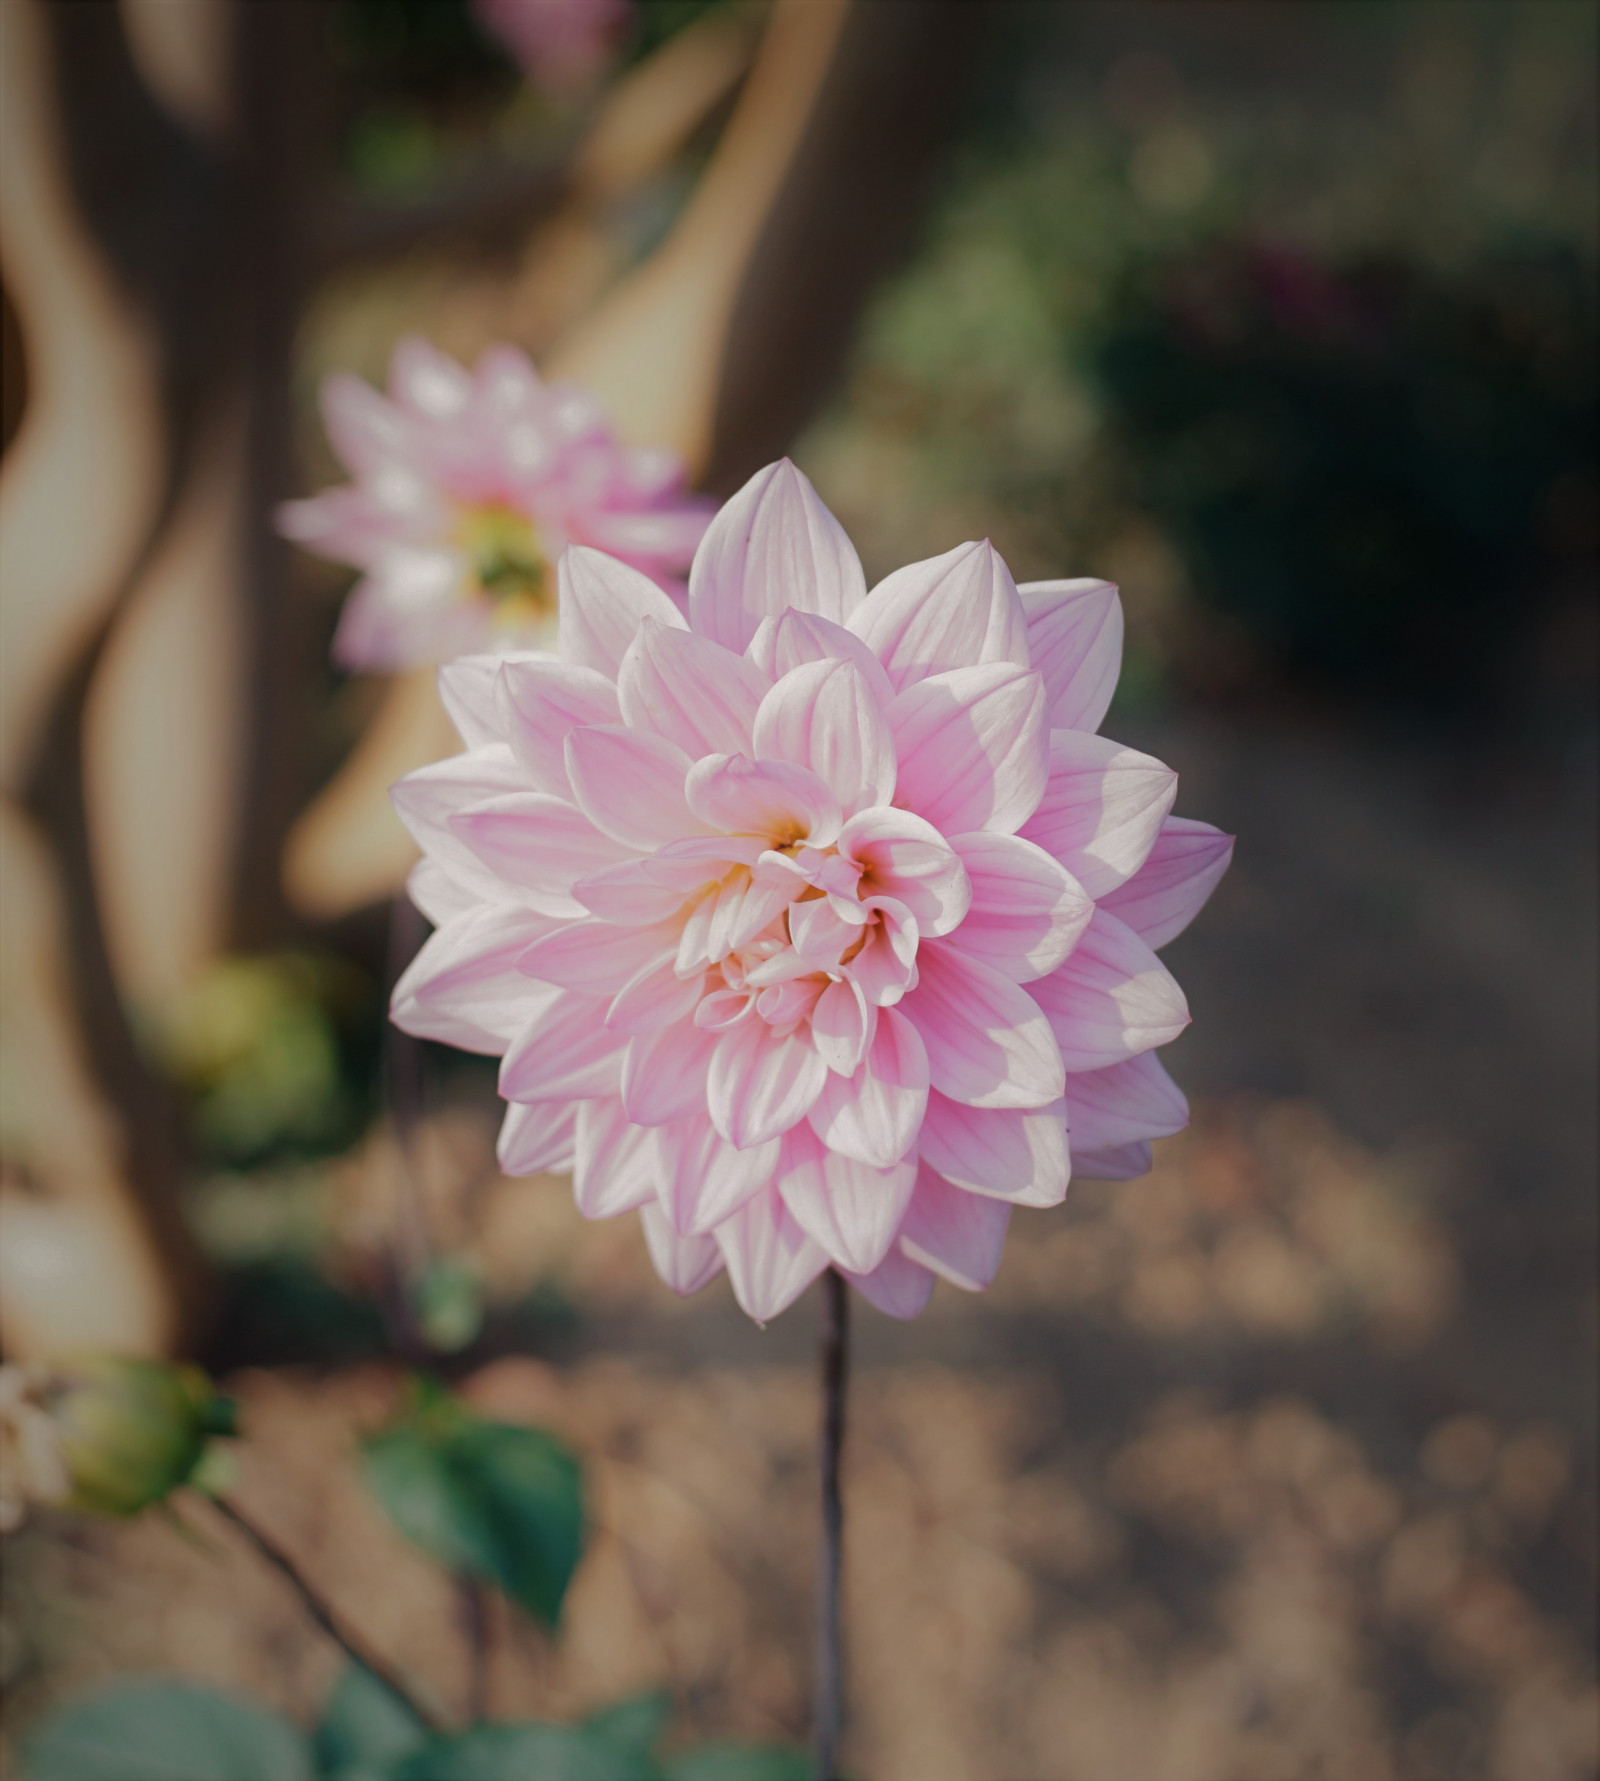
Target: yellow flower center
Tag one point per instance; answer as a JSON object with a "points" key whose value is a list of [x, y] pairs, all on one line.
{"points": [[508, 564]]}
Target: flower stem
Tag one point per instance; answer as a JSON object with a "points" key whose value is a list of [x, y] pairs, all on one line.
{"points": [[829, 1676], [354, 1648]]}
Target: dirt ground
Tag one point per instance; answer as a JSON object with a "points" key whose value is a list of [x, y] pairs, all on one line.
{"points": [[1275, 1466]]}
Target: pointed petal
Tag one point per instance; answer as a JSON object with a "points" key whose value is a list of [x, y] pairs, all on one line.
{"points": [[427, 381], [463, 987], [692, 691], [426, 800], [703, 1179], [972, 747], [1112, 999], [631, 894], [1028, 911], [602, 603], [615, 1165], [1179, 873], [905, 857], [437, 894], [1075, 641], [654, 998], [774, 545], [365, 428], [629, 783], [1007, 1152], [596, 957], [851, 1209], [898, 1286], [536, 1138], [468, 690], [957, 1234], [1124, 1104], [685, 1263], [538, 844], [542, 700], [783, 643], [842, 1023], [823, 716], [771, 1260], [1102, 809], [1122, 1164], [762, 1082], [988, 1043], [774, 800], [958, 610], [874, 1115], [564, 1052], [665, 1073]]}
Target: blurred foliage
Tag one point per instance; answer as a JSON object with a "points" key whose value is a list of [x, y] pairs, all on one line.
{"points": [[489, 1500], [449, 1304], [166, 1731], [276, 1053]]}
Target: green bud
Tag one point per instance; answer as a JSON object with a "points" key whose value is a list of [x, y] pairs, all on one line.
{"points": [[131, 1431]]}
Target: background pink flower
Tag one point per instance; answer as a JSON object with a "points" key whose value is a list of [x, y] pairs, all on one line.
{"points": [[818, 927], [560, 43], [467, 488]]}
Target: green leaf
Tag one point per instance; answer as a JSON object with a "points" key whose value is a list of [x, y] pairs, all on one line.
{"points": [[633, 1725], [738, 1762], [487, 1499], [165, 1731], [520, 1753], [365, 1726]]}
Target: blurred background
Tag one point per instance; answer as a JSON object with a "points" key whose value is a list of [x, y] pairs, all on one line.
{"points": [[1276, 1464]]}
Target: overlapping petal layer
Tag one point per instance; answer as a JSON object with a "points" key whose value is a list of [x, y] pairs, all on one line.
{"points": [[817, 927]]}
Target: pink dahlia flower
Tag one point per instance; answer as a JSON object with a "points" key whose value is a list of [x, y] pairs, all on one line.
{"points": [[817, 926], [560, 43], [468, 487]]}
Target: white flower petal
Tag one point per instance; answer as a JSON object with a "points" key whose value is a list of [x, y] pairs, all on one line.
{"points": [[1112, 999], [1179, 873], [1102, 809], [958, 610], [824, 716], [1011, 1153], [629, 783], [771, 1260], [602, 603], [536, 1138], [684, 1263], [988, 1043], [615, 1166], [874, 1115], [762, 1082], [972, 747], [1075, 641], [1028, 911], [957, 1234], [692, 691], [850, 1208]]}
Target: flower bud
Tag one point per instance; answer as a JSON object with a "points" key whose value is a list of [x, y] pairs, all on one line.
{"points": [[107, 1434]]}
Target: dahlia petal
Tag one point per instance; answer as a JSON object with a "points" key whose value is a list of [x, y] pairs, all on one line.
{"points": [[770, 1259], [1179, 873], [762, 1082], [958, 610], [886, 966], [988, 1043], [818, 934], [602, 603], [703, 1179], [972, 747], [794, 638], [1122, 1164], [427, 799], [596, 956], [774, 800], [564, 1051], [536, 1138], [1112, 999], [467, 692], [874, 1115], [629, 783], [427, 381], [541, 700], [629, 894], [1075, 641], [1124, 1104], [905, 857], [656, 997], [684, 1263], [439, 895], [1028, 911], [774, 545], [1006, 1152], [957, 1234], [898, 1286], [852, 1210], [842, 1023], [692, 691], [364, 427], [1102, 809], [664, 1074], [463, 988], [615, 1165], [537, 843], [823, 716]]}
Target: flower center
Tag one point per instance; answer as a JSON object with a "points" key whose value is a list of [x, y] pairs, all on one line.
{"points": [[509, 565]]}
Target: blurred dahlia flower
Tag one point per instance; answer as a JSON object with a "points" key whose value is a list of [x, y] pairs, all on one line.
{"points": [[560, 44], [817, 926], [468, 486]]}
